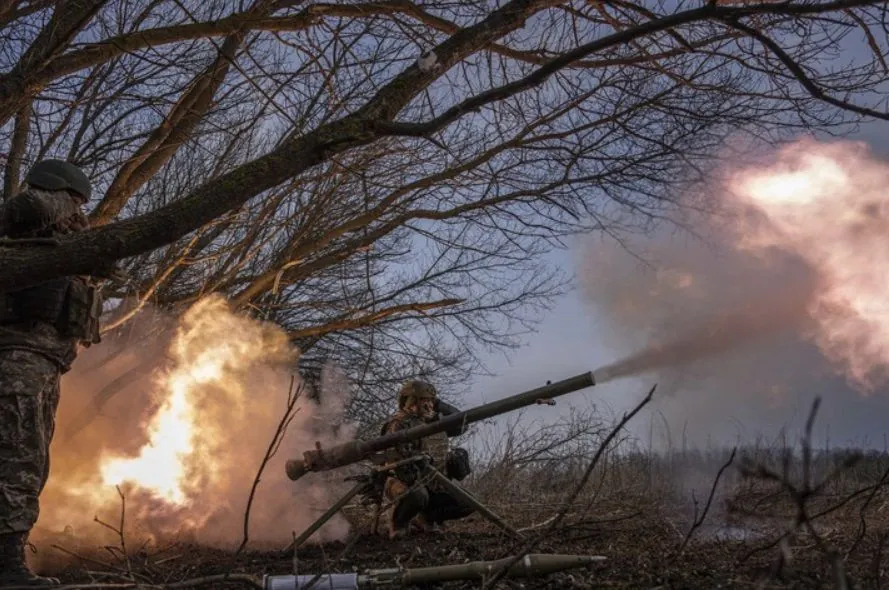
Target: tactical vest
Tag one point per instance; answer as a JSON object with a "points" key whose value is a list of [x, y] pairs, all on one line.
{"points": [[436, 446], [70, 304]]}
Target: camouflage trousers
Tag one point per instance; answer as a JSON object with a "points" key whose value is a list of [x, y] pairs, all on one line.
{"points": [[29, 395], [429, 503]]}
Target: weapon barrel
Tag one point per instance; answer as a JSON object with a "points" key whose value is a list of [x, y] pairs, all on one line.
{"points": [[354, 451]]}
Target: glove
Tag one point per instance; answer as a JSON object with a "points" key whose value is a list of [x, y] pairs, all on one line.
{"points": [[444, 408], [75, 223]]}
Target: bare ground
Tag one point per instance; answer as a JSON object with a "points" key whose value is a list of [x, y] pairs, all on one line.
{"points": [[641, 551]]}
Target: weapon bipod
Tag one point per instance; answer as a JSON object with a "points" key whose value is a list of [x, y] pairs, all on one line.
{"points": [[371, 484]]}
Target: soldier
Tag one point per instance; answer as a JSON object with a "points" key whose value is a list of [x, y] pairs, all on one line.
{"points": [[423, 501], [40, 329]]}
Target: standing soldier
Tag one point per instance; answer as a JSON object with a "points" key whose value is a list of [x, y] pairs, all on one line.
{"points": [[423, 501], [40, 329]]}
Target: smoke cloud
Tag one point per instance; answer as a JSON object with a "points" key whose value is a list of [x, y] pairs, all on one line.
{"points": [[180, 414], [782, 296]]}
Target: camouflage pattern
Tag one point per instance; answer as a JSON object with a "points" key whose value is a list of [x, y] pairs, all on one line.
{"points": [[29, 395], [40, 213], [33, 355], [423, 502], [416, 389], [403, 420], [408, 502], [407, 496], [37, 213], [437, 447]]}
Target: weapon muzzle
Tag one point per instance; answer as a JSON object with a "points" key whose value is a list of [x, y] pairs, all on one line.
{"points": [[295, 468]]}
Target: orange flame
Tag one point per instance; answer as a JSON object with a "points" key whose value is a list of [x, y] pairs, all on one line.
{"points": [[211, 347], [829, 205]]}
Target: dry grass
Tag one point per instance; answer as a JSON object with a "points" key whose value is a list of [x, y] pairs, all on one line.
{"points": [[776, 517]]}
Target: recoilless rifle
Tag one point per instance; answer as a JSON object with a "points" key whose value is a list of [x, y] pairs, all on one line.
{"points": [[320, 459], [354, 451]]}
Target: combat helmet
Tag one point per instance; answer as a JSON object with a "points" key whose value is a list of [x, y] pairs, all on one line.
{"points": [[417, 389], [54, 175]]}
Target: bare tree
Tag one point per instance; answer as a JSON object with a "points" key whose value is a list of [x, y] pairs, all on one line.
{"points": [[391, 212]]}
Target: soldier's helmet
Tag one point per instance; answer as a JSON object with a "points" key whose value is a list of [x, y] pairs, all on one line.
{"points": [[54, 175], [417, 389]]}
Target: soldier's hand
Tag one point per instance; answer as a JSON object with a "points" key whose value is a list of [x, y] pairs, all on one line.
{"points": [[79, 222], [76, 222]]}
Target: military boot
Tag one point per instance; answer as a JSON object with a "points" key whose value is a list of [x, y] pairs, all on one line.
{"points": [[14, 571]]}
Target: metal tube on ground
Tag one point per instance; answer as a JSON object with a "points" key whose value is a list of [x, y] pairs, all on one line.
{"points": [[325, 582], [530, 566]]}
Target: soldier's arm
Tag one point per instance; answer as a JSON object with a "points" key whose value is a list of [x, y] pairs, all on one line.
{"points": [[36, 210], [404, 450], [446, 409]]}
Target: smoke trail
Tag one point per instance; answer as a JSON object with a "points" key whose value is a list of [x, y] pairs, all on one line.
{"points": [[720, 335], [696, 304]]}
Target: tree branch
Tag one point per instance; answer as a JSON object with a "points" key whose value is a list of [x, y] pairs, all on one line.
{"points": [[86, 252]]}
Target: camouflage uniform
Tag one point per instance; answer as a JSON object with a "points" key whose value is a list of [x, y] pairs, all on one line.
{"points": [[412, 498], [40, 328]]}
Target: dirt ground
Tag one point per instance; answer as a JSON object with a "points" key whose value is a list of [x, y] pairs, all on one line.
{"points": [[641, 552], [627, 515]]}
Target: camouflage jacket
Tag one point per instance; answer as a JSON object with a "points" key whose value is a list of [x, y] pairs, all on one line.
{"points": [[39, 213], [402, 420], [436, 445]]}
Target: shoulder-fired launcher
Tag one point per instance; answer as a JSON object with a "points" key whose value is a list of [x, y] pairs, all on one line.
{"points": [[351, 452]]}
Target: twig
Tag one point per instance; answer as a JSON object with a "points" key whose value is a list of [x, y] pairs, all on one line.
{"points": [[349, 546], [699, 520], [862, 525], [123, 543], [877, 566], [801, 494], [538, 525], [531, 544], [82, 557], [292, 396]]}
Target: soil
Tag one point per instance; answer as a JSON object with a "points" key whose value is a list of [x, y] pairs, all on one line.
{"points": [[641, 552]]}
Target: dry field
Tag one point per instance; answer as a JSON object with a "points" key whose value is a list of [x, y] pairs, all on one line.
{"points": [[682, 519]]}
